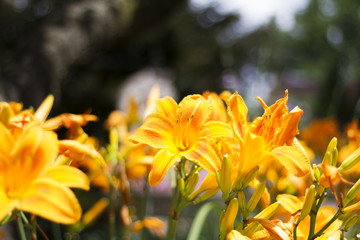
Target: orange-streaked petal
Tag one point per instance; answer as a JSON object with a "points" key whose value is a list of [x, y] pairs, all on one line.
{"points": [[44, 109], [291, 122], [206, 155], [194, 112], [216, 129], [293, 159], [53, 201], [166, 106], [156, 131], [162, 162], [69, 176], [237, 111]]}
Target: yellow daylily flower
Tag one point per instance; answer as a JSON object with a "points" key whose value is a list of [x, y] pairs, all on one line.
{"points": [[180, 131], [29, 180]]}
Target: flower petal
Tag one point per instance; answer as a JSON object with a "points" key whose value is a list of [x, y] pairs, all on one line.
{"points": [[293, 159], [216, 129], [162, 162], [206, 155], [78, 151], [156, 131], [166, 106], [44, 109], [52, 200], [69, 176], [6, 208], [237, 111]]}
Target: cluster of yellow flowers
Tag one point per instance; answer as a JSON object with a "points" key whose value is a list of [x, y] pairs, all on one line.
{"points": [[268, 179]]}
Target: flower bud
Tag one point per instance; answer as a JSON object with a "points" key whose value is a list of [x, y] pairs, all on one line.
{"points": [[242, 202], [190, 186], [350, 161], [227, 222], [181, 185], [317, 173], [327, 159], [350, 222], [308, 203], [352, 208], [332, 144], [225, 178], [249, 177], [205, 195], [255, 198], [335, 156], [352, 193]]}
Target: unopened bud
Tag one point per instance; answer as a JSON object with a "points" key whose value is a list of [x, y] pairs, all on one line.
{"points": [[327, 159], [205, 195], [352, 208], [332, 144], [317, 173], [352, 193], [350, 161], [249, 177], [335, 156], [269, 211], [308, 203], [255, 198], [225, 178], [350, 222], [190, 186], [227, 223], [242, 202], [181, 185]]}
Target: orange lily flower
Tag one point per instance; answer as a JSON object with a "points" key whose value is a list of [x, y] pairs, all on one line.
{"points": [[271, 136], [31, 182], [181, 131]]}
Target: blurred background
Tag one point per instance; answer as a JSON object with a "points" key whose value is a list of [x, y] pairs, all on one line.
{"points": [[97, 54], [94, 54]]}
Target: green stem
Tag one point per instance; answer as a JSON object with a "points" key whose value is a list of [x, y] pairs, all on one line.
{"points": [[295, 232], [20, 227], [172, 229], [320, 232], [313, 214]]}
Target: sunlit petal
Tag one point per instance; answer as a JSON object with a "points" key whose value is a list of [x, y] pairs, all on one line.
{"points": [[44, 109], [293, 159], [206, 155], [69, 176], [162, 162], [237, 111], [53, 201], [156, 131]]}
